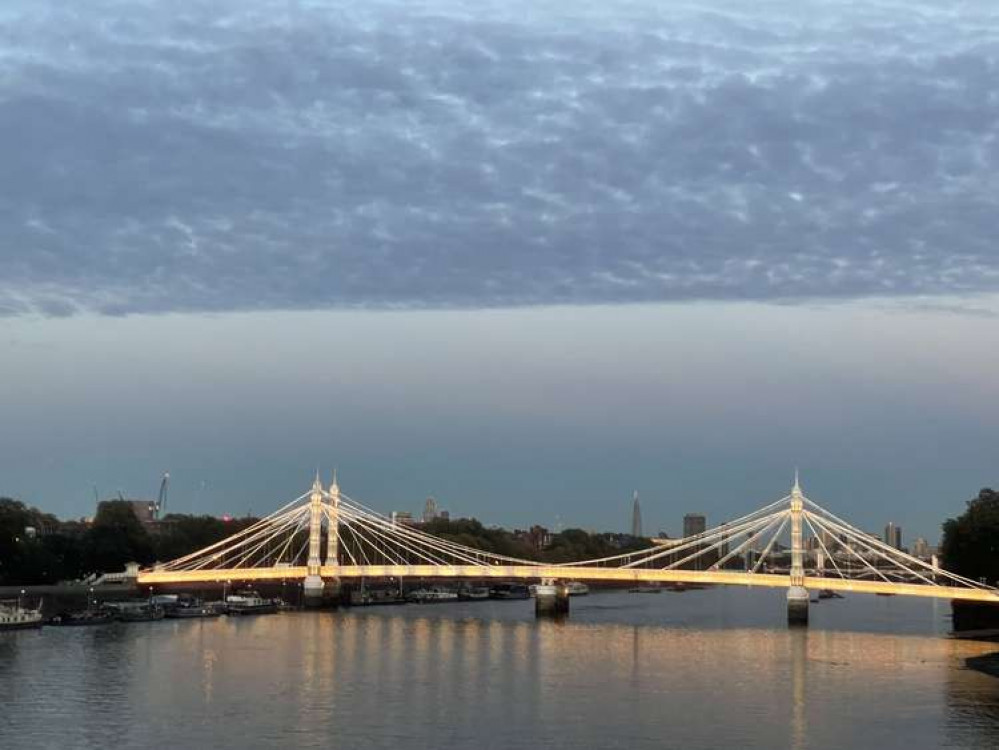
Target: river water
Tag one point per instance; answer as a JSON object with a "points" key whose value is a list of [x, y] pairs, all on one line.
{"points": [[699, 669]]}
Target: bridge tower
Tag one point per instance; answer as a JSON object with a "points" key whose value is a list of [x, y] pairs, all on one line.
{"points": [[797, 594], [313, 585], [332, 558]]}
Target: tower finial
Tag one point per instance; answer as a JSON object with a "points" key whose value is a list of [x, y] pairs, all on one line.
{"points": [[334, 484], [797, 484], [315, 482]]}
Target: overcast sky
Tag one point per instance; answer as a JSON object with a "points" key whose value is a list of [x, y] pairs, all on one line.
{"points": [[238, 238]]}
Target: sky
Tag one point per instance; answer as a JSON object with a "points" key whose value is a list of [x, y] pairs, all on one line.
{"points": [[526, 257]]}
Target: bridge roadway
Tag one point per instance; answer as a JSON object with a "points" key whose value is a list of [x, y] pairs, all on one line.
{"points": [[539, 572]]}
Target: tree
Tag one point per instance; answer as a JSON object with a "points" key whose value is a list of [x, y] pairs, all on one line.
{"points": [[28, 559], [971, 541], [116, 538], [183, 534]]}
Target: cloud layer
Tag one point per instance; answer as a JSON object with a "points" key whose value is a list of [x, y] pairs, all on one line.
{"points": [[260, 154]]}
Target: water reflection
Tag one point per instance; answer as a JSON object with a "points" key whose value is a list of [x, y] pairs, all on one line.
{"points": [[453, 677]]}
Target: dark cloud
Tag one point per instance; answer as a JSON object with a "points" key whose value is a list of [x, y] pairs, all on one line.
{"points": [[224, 154]]}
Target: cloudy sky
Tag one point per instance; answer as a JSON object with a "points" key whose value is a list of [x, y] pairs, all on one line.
{"points": [[526, 256]]}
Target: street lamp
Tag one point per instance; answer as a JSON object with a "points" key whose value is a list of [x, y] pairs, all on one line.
{"points": [[19, 597]]}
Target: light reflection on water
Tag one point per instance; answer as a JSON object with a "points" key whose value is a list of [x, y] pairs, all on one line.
{"points": [[697, 670]]}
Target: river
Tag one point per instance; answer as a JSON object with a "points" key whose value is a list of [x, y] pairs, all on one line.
{"points": [[693, 670]]}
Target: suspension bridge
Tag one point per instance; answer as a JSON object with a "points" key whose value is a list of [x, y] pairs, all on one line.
{"points": [[324, 537]]}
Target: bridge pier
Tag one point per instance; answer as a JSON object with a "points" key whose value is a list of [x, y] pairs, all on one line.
{"points": [[313, 589], [551, 600], [797, 605]]}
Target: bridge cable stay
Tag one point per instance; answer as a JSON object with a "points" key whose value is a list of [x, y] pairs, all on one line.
{"points": [[880, 559], [769, 546], [676, 543], [240, 553], [357, 524], [719, 536], [419, 537], [263, 523], [753, 538], [825, 550], [878, 555], [849, 548], [399, 545]]}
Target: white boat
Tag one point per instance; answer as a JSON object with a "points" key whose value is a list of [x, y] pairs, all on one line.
{"points": [[435, 594], [575, 588], [248, 602], [15, 617], [473, 592]]}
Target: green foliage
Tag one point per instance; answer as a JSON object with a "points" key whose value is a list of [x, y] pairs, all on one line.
{"points": [[568, 546], [67, 551], [971, 541], [472, 533], [24, 560], [181, 534], [575, 544], [116, 538]]}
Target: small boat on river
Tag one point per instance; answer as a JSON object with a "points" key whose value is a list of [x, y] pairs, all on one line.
{"points": [[433, 595], [249, 602], [190, 609], [576, 588], [509, 591], [141, 610], [473, 593], [650, 589], [15, 617], [99, 616]]}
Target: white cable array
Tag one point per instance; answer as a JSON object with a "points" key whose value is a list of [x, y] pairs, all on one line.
{"points": [[366, 538], [896, 555], [718, 535]]}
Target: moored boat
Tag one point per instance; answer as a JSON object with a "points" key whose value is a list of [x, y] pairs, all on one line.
{"points": [[371, 597], [79, 619], [576, 588], [249, 602], [509, 591], [433, 594], [194, 610], [473, 593], [136, 611], [650, 589], [15, 617]]}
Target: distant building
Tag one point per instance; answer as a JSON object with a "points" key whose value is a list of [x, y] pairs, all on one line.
{"points": [[444, 515], [922, 549], [694, 523], [636, 516], [536, 537], [430, 510], [402, 518], [893, 535]]}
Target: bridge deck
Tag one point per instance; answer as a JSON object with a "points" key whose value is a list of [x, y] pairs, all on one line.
{"points": [[594, 574]]}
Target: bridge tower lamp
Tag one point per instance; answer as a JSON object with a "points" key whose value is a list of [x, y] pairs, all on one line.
{"points": [[797, 594], [313, 585]]}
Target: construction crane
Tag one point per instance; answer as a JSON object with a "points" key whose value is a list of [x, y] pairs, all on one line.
{"points": [[161, 501]]}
